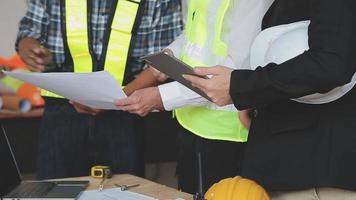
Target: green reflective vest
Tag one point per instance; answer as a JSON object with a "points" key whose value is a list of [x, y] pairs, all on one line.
{"points": [[118, 44], [204, 47]]}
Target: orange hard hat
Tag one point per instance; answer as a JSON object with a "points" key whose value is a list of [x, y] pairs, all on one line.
{"points": [[236, 188]]}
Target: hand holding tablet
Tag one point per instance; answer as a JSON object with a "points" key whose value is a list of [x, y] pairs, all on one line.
{"points": [[174, 68]]}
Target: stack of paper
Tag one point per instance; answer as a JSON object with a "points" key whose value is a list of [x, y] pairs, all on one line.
{"points": [[112, 194], [96, 89]]}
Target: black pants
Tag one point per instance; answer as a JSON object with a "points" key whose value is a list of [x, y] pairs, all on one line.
{"points": [[70, 143], [220, 159]]}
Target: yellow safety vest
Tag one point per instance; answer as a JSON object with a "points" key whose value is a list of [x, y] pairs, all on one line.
{"points": [[118, 46], [204, 47]]}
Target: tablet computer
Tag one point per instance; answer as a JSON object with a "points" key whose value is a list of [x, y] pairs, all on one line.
{"points": [[174, 68]]}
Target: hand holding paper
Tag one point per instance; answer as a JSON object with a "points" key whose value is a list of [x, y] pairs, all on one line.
{"points": [[142, 102]]}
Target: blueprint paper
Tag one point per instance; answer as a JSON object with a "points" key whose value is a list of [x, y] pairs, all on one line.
{"points": [[97, 89], [112, 194]]}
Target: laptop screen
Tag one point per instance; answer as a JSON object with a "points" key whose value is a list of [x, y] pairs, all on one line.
{"points": [[9, 176]]}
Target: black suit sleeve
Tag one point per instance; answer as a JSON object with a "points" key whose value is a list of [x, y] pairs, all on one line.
{"points": [[330, 62]]}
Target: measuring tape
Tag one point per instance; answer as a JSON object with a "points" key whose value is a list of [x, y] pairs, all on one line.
{"points": [[101, 171]]}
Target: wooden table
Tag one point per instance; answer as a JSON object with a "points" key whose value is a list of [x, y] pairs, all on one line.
{"points": [[146, 187], [8, 114]]}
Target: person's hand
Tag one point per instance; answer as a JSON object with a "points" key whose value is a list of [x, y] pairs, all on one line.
{"points": [[217, 87], [80, 108], [34, 54], [245, 118], [141, 102], [161, 77]]}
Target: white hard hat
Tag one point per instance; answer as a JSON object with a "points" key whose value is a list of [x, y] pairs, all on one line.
{"points": [[281, 43]]}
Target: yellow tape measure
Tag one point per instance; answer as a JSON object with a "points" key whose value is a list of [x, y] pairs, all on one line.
{"points": [[100, 171]]}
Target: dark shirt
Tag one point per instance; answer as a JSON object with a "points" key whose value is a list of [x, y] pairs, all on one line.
{"points": [[294, 145]]}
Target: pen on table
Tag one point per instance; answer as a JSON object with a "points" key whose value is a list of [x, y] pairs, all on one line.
{"points": [[101, 185], [126, 187]]}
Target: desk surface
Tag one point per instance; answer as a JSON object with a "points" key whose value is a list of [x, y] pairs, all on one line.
{"points": [[146, 187], [7, 114]]}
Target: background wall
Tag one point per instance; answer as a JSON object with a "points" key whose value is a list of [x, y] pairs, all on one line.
{"points": [[11, 12]]}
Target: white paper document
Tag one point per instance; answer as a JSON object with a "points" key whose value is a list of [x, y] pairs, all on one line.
{"points": [[112, 194], [97, 89]]}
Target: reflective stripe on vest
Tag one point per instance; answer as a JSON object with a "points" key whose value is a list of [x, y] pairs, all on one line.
{"points": [[119, 41], [207, 47]]}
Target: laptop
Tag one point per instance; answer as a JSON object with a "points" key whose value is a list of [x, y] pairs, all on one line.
{"points": [[12, 187]]}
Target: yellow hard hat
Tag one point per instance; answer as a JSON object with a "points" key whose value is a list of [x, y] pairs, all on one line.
{"points": [[236, 188]]}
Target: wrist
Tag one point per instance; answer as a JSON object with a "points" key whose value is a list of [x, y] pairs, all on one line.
{"points": [[159, 76], [158, 99]]}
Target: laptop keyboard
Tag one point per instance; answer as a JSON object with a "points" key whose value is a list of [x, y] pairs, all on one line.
{"points": [[32, 189]]}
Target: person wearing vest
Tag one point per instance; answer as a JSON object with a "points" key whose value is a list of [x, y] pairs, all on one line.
{"points": [[298, 148], [85, 36], [216, 32]]}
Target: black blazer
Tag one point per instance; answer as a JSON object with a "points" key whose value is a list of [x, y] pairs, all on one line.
{"points": [[293, 145]]}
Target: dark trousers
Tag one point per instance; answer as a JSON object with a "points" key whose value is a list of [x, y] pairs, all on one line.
{"points": [[220, 159], [71, 143]]}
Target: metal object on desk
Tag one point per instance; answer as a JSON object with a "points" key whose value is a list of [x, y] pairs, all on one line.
{"points": [[101, 185], [126, 187], [103, 172]]}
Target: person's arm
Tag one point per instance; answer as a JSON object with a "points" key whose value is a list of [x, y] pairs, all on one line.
{"points": [[159, 30], [147, 78], [329, 63], [146, 100], [175, 95], [163, 29], [242, 24], [32, 36]]}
